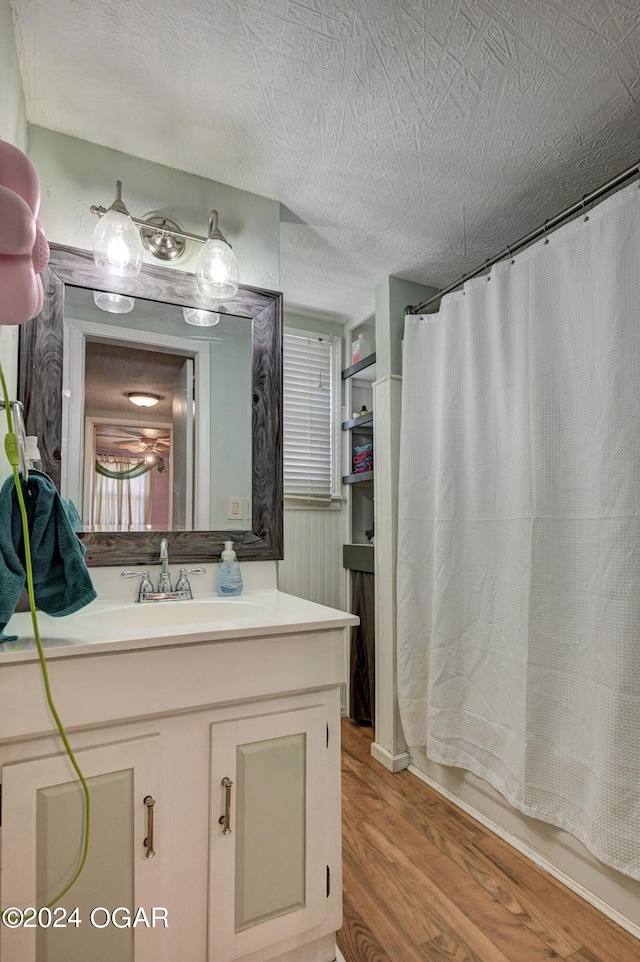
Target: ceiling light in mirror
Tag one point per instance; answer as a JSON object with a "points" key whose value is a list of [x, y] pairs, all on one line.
{"points": [[198, 318], [143, 398], [113, 303]]}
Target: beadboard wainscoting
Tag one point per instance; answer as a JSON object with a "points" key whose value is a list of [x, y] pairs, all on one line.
{"points": [[312, 565]]}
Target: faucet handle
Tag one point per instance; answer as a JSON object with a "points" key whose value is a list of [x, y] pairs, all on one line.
{"points": [[183, 581], [145, 585]]}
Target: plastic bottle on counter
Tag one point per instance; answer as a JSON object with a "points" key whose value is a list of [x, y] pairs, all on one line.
{"points": [[229, 578]]}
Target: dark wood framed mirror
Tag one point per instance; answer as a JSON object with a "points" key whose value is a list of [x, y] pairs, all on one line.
{"points": [[40, 388]]}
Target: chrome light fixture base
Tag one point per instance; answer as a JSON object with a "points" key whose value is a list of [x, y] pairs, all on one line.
{"points": [[161, 238]]}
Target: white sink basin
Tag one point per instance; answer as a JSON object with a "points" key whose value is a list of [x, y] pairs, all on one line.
{"points": [[162, 614]]}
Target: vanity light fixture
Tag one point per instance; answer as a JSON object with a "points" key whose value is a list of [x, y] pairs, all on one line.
{"points": [[119, 240], [117, 247], [198, 318], [113, 303], [217, 265], [144, 399]]}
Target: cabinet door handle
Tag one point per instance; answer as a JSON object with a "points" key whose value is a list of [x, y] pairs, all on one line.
{"points": [[149, 802], [225, 819]]}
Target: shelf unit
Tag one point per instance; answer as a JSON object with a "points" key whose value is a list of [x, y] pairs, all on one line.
{"points": [[358, 556], [362, 365], [358, 478], [359, 378], [363, 420], [362, 425]]}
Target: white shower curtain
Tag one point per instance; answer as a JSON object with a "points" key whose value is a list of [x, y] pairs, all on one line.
{"points": [[519, 531]]}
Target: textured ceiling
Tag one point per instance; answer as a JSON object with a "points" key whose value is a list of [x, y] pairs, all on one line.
{"points": [[412, 137]]}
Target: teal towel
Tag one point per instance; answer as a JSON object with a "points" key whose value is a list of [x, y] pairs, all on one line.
{"points": [[62, 583], [72, 514]]}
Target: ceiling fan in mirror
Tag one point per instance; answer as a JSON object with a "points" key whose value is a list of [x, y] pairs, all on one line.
{"points": [[145, 442]]}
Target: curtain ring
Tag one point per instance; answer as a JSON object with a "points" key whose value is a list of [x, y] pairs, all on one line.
{"points": [[544, 228], [586, 216], [510, 254], [487, 267]]}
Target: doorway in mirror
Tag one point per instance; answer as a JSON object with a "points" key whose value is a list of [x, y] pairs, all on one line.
{"points": [[108, 368], [129, 471]]}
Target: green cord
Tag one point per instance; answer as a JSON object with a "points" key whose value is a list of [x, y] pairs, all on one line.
{"points": [[43, 663]]}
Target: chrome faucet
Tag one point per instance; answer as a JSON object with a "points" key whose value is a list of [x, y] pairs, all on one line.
{"points": [[165, 592], [164, 584]]}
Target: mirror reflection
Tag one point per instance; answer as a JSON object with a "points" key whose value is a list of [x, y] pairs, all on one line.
{"points": [[156, 417]]}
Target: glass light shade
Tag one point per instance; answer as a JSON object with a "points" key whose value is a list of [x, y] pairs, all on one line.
{"points": [[117, 247], [143, 399], [198, 318], [113, 303], [217, 270]]}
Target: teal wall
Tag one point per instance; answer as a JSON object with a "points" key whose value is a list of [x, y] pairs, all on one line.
{"points": [[76, 174], [393, 295], [303, 322]]}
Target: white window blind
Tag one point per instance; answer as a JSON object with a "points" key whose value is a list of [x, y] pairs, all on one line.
{"points": [[311, 399]]}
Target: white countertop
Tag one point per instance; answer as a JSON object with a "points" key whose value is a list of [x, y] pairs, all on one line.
{"points": [[110, 625]]}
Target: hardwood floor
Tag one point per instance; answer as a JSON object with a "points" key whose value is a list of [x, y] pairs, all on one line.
{"points": [[424, 881]]}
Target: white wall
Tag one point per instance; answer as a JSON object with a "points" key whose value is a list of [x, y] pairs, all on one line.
{"points": [[313, 537], [312, 566], [392, 296]]}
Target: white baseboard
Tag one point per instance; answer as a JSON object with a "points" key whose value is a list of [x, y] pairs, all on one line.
{"points": [[393, 763], [339, 955], [532, 854]]}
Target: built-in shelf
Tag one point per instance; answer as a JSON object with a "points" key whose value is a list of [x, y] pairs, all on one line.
{"points": [[360, 422], [357, 478], [360, 366], [358, 557]]}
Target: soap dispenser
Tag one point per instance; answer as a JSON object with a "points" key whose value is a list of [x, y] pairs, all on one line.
{"points": [[229, 578]]}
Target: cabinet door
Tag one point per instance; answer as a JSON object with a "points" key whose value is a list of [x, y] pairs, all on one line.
{"points": [[268, 865], [42, 839]]}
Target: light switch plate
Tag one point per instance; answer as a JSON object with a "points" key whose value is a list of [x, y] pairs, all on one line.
{"points": [[247, 509], [234, 509]]}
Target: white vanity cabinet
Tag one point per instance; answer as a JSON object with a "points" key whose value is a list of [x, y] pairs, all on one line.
{"points": [[270, 858], [236, 738], [42, 836]]}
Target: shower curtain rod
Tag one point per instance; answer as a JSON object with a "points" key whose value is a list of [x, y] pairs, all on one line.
{"points": [[532, 235]]}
